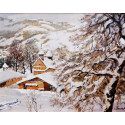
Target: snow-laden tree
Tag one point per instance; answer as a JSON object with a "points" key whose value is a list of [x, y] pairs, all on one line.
{"points": [[30, 53], [15, 54], [91, 77]]}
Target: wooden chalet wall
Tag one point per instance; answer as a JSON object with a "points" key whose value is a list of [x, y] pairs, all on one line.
{"points": [[41, 85], [32, 81], [38, 72], [32, 87], [39, 65], [10, 82]]}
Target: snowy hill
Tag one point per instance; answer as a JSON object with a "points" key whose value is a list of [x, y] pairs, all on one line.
{"points": [[52, 36]]}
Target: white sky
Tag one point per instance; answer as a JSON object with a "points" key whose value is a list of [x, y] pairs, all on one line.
{"points": [[71, 18]]}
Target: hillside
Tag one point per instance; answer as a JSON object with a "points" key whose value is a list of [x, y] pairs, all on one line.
{"points": [[47, 34]]}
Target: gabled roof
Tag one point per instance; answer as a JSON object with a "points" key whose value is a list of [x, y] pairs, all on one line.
{"points": [[49, 78], [46, 77], [47, 62], [8, 75], [37, 60]]}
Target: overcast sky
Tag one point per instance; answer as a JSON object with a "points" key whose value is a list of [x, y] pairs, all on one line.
{"points": [[71, 18]]}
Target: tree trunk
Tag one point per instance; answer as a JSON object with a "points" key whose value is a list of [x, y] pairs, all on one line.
{"points": [[24, 68], [16, 65], [111, 94], [30, 67]]}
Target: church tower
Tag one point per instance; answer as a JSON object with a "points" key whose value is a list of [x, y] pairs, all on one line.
{"points": [[41, 54]]}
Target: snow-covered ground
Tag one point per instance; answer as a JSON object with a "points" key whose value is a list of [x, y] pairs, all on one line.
{"points": [[19, 100]]}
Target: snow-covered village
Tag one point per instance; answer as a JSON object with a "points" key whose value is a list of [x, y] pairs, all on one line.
{"points": [[62, 62]]}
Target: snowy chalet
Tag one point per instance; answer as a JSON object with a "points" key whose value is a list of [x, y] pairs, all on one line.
{"points": [[43, 63], [42, 78], [9, 77]]}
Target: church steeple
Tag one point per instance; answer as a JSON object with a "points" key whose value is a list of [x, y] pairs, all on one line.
{"points": [[41, 53]]}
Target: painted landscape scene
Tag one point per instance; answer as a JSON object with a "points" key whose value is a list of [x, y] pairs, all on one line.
{"points": [[62, 62]]}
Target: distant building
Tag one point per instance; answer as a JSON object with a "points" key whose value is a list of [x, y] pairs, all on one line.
{"points": [[5, 67]]}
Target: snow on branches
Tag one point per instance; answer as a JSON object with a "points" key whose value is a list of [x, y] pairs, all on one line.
{"points": [[92, 77]]}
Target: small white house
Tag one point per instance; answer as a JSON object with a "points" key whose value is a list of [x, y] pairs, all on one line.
{"points": [[5, 67]]}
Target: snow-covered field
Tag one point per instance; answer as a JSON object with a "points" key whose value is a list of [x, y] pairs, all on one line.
{"points": [[17, 100]]}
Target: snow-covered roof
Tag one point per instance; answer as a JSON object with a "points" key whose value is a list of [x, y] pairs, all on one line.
{"points": [[5, 65], [47, 62], [49, 54], [8, 75], [47, 77], [27, 78], [41, 52]]}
